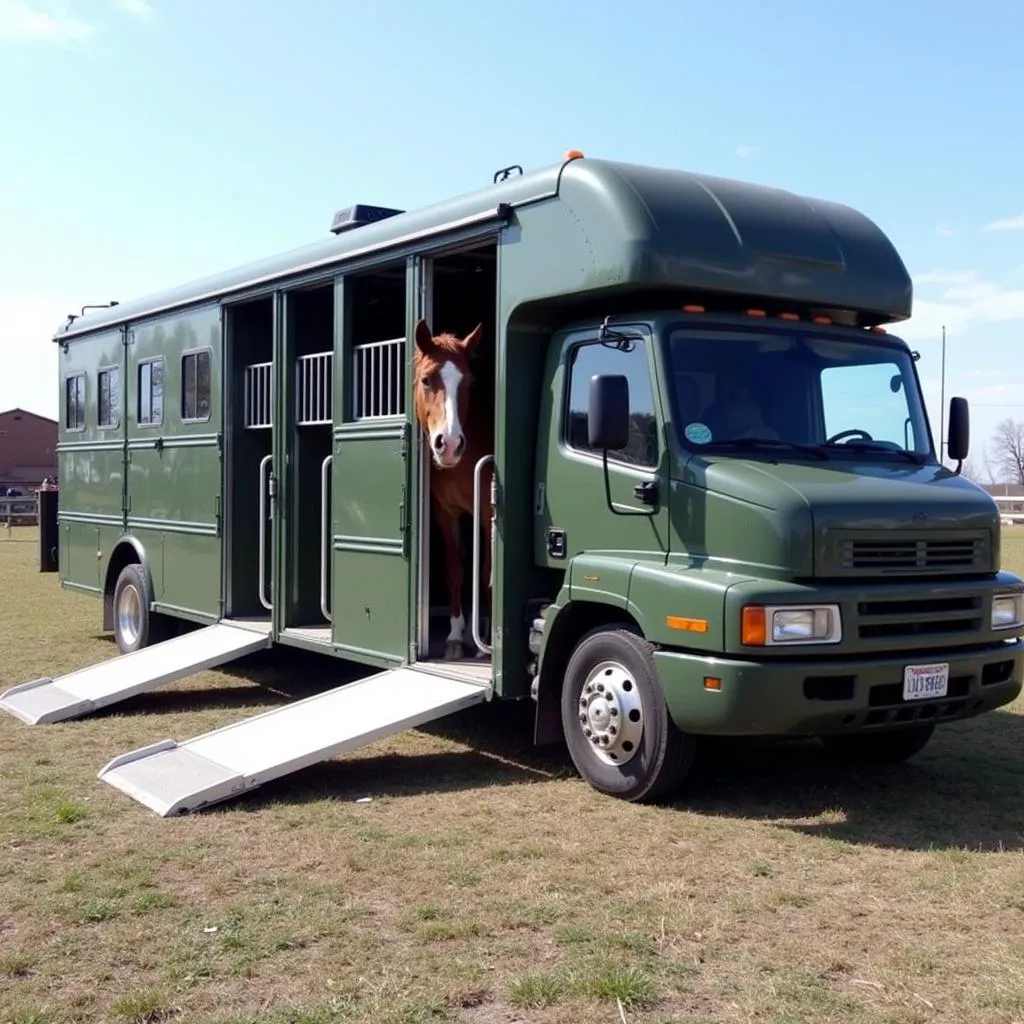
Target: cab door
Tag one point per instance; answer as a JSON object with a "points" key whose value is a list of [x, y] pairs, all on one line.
{"points": [[574, 501]]}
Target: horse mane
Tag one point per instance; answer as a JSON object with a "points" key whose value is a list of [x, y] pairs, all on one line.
{"points": [[448, 342]]}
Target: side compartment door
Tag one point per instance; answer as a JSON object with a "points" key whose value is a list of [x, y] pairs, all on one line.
{"points": [[91, 457], [370, 554], [174, 457]]}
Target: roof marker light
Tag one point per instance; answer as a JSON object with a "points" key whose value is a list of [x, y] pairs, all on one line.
{"points": [[692, 308], [756, 312], [822, 319], [573, 154], [789, 316]]}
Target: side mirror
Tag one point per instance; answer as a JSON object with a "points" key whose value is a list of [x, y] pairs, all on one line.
{"points": [[959, 435], [608, 412]]}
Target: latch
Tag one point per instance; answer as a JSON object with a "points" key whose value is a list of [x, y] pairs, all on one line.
{"points": [[647, 492]]}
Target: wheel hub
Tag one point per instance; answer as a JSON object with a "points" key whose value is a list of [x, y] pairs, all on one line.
{"points": [[129, 614], [611, 713]]}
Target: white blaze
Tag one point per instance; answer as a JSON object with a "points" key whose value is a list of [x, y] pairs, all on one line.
{"points": [[451, 375]]}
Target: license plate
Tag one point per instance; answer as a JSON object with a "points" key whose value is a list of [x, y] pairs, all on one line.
{"points": [[923, 682]]}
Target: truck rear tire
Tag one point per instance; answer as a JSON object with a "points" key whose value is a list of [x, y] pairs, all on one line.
{"points": [[135, 626], [881, 747], [616, 722]]}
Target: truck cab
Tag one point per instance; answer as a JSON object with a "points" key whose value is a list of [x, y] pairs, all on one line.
{"points": [[757, 538]]}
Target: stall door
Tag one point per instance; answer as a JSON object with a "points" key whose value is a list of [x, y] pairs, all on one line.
{"points": [[370, 499]]}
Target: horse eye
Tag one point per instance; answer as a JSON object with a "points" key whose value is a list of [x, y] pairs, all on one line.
{"points": [[425, 381]]}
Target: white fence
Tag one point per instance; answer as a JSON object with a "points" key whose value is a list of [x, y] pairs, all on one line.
{"points": [[22, 510], [1011, 509]]}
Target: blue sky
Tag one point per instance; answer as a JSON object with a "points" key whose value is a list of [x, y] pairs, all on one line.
{"points": [[147, 142]]}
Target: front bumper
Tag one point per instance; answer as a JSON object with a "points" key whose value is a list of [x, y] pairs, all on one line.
{"points": [[827, 696]]}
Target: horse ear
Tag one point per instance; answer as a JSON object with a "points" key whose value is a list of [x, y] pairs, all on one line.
{"points": [[470, 340], [424, 339]]}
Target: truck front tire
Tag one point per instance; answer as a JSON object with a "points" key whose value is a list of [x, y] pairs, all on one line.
{"points": [[616, 722]]}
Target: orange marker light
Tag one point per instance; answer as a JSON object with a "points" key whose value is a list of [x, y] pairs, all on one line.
{"points": [[754, 630], [756, 312], [573, 154], [693, 309], [822, 319], [712, 683], [691, 625], [789, 316], [878, 330]]}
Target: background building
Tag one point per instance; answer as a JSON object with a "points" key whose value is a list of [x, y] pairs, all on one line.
{"points": [[28, 450]]}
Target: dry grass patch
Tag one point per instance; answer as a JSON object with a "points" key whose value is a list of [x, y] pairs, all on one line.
{"points": [[485, 883]]}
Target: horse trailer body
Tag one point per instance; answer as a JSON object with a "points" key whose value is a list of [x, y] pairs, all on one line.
{"points": [[716, 503]]}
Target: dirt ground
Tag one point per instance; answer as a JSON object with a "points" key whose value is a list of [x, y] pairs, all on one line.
{"points": [[483, 881]]}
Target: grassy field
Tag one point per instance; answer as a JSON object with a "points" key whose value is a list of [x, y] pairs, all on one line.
{"points": [[484, 882]]}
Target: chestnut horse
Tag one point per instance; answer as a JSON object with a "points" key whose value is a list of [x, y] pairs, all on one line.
{"points": [[459, 433]]}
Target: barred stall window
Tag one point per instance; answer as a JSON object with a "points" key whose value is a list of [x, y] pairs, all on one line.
{"points": [[313, 390], [257, 401], [378, 384]]}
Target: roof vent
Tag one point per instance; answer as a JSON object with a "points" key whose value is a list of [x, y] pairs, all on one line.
{"points": [[359, 216]]}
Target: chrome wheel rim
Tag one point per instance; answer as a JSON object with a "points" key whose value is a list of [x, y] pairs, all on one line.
{"points": [[129, 615], [611, 713]]}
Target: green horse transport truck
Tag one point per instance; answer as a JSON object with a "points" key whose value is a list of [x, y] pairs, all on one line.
{"points": [[714, 499]]}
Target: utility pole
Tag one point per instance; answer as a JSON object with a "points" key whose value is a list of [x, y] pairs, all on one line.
{"points": [[942, 399]]}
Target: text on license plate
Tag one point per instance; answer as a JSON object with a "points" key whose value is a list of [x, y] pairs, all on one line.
{"points": [[921, 682]]}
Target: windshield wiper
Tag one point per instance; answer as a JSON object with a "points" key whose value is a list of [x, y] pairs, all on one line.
{"points": [[768, 442], [867, 446]]}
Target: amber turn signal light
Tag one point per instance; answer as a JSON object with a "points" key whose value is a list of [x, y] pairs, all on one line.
{"points": [[754, 630]]}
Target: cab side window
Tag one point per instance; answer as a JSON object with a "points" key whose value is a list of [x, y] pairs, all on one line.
{"points": [[592, 358]]}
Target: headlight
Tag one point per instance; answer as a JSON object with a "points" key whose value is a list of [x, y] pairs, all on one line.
{"points": [[782, 625], [1007, 611]]}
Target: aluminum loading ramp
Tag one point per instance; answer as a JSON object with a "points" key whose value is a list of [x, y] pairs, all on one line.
{"points": [[171, 779], [89, 689]]}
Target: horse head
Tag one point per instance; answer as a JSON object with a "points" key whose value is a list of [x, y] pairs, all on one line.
{"points": [[442, 383]]}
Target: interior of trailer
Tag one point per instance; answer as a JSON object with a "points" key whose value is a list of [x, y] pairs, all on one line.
{"points": [[249, 346], [309, 365], [463, 294]]}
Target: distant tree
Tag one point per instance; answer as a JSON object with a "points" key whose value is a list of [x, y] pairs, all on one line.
{"points": [[1008, 451]]}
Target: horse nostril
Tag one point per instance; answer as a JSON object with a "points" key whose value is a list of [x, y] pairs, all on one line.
{"points": [[438, 442], [459, 448]]}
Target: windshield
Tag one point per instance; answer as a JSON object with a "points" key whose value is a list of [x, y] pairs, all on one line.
{"points": [[793, 391]]}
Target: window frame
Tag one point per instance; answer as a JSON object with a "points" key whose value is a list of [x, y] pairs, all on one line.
{"points": [[614, 458], [100, 371], [82, 404], [186, 354], [139, 422]]}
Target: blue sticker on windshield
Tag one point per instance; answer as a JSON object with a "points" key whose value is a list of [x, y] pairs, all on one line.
{"points": [[698, 433]]}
